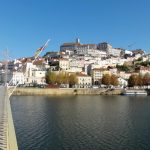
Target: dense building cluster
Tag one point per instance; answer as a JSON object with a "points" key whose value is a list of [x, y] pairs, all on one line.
{"points": [[90, 63]]}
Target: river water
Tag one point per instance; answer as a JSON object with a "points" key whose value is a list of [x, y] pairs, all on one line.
{"points": [[82, 122]]}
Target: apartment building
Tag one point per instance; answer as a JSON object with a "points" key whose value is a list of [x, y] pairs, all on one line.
{"points": [[143, 70], [63, 64], [109, 49], [84, 81], [97, 74], [38, 76]]}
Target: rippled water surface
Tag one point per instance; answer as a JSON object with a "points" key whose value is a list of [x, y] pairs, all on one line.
{"points": [[82, 122]]}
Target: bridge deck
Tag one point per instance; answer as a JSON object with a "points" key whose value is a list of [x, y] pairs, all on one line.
{"points": [[7, 131]]}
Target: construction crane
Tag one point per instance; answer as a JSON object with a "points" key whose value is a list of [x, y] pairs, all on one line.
{"points": [[131, 45]]}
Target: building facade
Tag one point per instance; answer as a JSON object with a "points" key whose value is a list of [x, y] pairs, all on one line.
{"points": [[77, 47], [84, 81]]}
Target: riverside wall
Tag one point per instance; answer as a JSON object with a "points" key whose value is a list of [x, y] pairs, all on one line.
{"points": [[64, 91]]}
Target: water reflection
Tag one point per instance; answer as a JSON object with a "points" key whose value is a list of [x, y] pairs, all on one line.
{"points": [[81, 122]]}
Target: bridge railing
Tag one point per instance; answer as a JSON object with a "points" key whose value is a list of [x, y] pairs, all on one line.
{"points": [[7, 131], [3, 120]]}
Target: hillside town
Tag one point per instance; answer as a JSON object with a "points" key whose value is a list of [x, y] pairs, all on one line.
{"points": [[81, 66]]}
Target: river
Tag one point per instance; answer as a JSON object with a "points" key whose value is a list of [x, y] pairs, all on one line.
{"points": [[82, 122]]}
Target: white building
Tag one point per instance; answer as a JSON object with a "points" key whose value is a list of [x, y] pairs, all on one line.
{"points": [[109, 49], [28, 67], [97, 74], [75, 69], [63, 64], [35, 73], [114, 52], [96, 53], [76, 63], [84, 81], [13, 77], [38, 77], [77, 47], [123, 82], [146, 58], [128, 52], [124, 75], [144, 70], [17, 77]]}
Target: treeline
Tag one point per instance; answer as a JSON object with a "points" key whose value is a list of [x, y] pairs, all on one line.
{"points": [[134, 80], [142, 63], [139, 80], [71, 79], [132, 67], [110, 80], [123, 68], [61, 78]]}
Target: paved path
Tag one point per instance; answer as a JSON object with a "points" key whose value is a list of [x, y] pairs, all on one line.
{"points": [[3, 118], [7, 131]]}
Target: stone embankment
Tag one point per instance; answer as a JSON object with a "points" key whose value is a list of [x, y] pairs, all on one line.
{"points": [[64, 91]]}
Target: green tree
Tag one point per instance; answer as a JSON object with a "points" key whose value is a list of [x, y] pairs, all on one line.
{"points": [[72, 80], [62, 78], [51, 78], [59, 78], [122, 68], [66, 78]]}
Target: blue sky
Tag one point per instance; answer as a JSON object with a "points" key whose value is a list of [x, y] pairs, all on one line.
{"points": [[26, 24]]}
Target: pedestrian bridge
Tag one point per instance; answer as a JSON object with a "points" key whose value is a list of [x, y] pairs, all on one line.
{"points": [[7, 132]]}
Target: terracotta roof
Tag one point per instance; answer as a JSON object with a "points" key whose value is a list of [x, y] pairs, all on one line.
{"points": [[70, 44], [138, 51], [63, 59], [99, 69], [82, 75], [145, 68], [77, 44], [24, 60], [38, 62]]}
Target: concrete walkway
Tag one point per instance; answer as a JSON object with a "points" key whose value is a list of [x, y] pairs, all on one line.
{"points": [[7, 132]]}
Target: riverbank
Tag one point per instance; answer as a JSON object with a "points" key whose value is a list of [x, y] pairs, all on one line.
{"points": [[65, 91]]}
